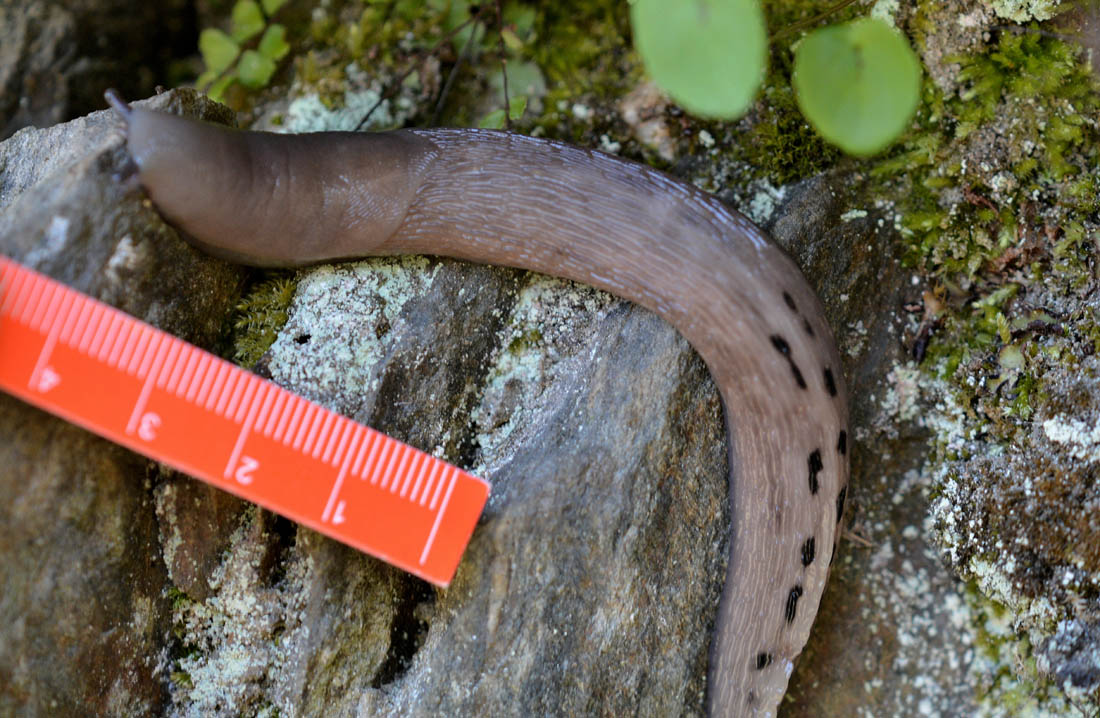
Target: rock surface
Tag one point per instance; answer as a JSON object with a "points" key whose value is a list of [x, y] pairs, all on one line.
{"points": [[57, 57], [591, 583]]}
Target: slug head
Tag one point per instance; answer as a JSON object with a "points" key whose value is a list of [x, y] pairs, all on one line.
{"points": [[270, 199]]}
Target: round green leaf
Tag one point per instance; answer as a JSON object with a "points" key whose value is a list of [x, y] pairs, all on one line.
{"points": [[246, 20], [272, 6], [254, 70], [218, 50], [858, 84], [709, 55], [273, 44]]}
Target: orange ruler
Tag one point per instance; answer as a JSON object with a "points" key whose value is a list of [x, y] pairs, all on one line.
{"points": [[137, 386]]}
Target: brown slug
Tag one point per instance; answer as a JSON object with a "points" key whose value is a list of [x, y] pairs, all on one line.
{"points": [[501, 198]]}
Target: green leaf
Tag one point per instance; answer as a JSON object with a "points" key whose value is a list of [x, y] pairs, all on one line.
{"points": [[273, 44], [205, 79], [272, 6], [709, 55], [218, 50], [858, 84], [217, 90], [254, 70], [495, 119], [246, 21]]}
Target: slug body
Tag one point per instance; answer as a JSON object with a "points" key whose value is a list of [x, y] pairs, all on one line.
{"points": [[495, 197]]}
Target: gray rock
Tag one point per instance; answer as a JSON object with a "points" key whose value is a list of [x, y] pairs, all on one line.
{"points": [[84, 615], [591, 582], [57, 56]]}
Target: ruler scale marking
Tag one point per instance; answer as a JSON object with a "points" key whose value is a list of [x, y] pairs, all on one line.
{"points": [[71, 321], [177, 371], [114, 326], [276, 414], [195, 382], [269, 398], [284, 417], [25, 293], [101, 333], [231, 394], [317, 435], [208, 394], [42, 307], [326, 515], [81, 343], [420, 476], [242, 397], [167, 399], [11, 288], [391, 466], [193, 359], [72, 326], [289, 417], [343, 427], [411, 473], [169, 363], [402, 467], [137, 350], [232, 379], [362, 453], [114, 356], [380, 462], [438, 487], [156, 349], [234, 468], [438, 520], [304, 427]]}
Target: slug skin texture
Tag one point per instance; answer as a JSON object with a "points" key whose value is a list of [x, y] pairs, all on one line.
{"points": [[500, 198]]}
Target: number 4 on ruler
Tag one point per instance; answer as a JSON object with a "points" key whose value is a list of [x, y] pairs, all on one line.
{"points": [[160, 396]]}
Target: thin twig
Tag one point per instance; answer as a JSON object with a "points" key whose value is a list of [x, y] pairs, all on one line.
{"points": [[503, 66], [810, 21], [462, 57], [400, 79]]}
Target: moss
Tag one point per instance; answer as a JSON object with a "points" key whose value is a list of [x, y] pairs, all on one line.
{"points": [[260, 315], [997, 199]]}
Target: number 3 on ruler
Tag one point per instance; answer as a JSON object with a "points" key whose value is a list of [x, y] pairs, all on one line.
{"points": [[243, 474], [147, 427]]}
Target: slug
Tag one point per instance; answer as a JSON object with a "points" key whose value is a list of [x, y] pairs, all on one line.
{"points": [[502, 198]]}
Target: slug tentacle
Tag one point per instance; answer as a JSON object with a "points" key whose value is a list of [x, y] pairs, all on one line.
{"points": [[501, 198]]}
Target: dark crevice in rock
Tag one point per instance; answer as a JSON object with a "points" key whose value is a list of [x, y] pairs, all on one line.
{"points": [[407, 631], [282, 536]]}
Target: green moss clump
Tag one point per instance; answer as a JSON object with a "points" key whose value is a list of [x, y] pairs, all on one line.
{"points": [[260, 315]]}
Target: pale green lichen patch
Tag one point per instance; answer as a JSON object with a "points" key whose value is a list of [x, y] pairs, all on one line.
{"points": [[348, 312], [229, 641], [538, 344], [1025, 10]]}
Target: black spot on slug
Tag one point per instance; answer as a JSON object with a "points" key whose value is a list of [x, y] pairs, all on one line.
{"points": [[302, 339], [784, 348], [808, 327], [763, 660], [840, 503], [842, 442], [792, 602], [808, 551], [790, 302], [798, 376], [830, 385], [815, 468]]}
